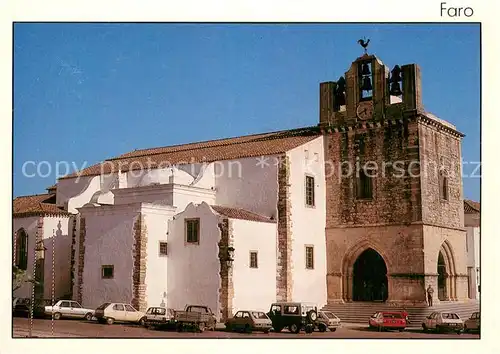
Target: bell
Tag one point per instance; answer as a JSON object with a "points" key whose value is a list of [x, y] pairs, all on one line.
{"points": [[396, 74], [367, 84], [395, 89], [341, 84], [365, 70]]}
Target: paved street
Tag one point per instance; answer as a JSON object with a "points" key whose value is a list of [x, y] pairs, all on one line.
{"points": [[77, 328]]}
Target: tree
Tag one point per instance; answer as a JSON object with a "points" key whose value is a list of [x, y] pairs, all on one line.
{"points": [[19, 277]]}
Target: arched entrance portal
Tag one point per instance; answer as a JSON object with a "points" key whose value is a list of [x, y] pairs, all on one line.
{"points": [[369, 277], [441, 278]]}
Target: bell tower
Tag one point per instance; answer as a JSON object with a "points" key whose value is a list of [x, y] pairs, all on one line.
{"points": [[369, 91], [390, 198]]}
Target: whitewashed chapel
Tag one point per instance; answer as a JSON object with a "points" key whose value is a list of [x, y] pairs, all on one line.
{"points": [[217, 231]]}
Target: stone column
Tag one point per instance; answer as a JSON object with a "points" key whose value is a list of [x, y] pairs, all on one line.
{"points": [[140, 258], [226, 289]]}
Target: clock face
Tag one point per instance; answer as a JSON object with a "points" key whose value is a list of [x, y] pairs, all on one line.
{"points": [[365, 110]]}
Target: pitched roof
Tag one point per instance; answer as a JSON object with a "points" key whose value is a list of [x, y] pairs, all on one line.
{"points": [[242, 214], [40, 204], [471, 207], [208, 151]]}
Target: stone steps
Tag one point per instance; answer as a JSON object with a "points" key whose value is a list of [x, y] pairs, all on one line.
{"points": [[360, 312]]}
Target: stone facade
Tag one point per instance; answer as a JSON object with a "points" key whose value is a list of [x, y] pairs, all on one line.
{"points": [[406, 220], [140, 261], [81, 259], [284, 241], [226, 290]]}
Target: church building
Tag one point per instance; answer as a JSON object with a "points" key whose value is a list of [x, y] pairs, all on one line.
{"points": [[367, 205]]}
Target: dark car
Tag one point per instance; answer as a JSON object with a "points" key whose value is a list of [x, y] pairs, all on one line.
{"points": [[295, 316], [22, 308]]}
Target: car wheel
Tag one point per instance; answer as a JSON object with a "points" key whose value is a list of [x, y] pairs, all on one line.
{"points": [[294, 328], [248, 329], [88, 316], [424, 327], [309, 329], [266, 331], [466, 330], [229, 328], [333, 329], [459, 332], [100, 320], [277, 329], [201, 327], [57, 316], [142, 321], [322, 328], [110, 320]]}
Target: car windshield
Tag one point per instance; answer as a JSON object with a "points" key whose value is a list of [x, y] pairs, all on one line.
{"points": [[450, 316], [103, 306], [259, 315], [330, 315]]}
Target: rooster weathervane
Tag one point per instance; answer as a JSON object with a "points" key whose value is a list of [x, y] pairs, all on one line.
{"points": [[364, 43]]}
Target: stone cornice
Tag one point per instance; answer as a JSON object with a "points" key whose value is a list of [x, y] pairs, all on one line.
{"points": [[124, 208], [158, 189]]}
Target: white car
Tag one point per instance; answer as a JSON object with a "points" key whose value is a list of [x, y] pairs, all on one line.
{"points": [[111, 312], [443, 321], [68, 309]]}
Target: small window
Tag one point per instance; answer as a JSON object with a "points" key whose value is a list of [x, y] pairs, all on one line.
{"points": [[75, 305], [253, 259], [309, 257], [193, 230], [310, 191], [364, 188], [276, 308], [118, 307], [108, 271], [65, 304], [163, 248], [291, 310], [246, 315], [239, 314], [443, 186]]}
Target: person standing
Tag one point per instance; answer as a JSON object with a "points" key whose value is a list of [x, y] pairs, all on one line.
{"points": [[430, 292]]}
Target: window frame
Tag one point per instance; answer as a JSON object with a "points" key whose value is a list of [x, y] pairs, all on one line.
{"points": [[311, 189], [256, 253], [364, 175], [444, 187], [186, 235], [160, 244], [108, 266], [306, 248]]}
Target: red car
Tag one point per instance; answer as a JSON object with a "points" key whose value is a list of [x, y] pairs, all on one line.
{"points": [[388, 320]]}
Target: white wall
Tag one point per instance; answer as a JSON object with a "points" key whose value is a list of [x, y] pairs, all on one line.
{"points": [[109, 240], [77, 192], [193, 269], [473, 260], [254, 288], [244, 184], [156, 220], [308, 223]]}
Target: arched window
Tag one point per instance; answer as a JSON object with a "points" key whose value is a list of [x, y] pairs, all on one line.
{"points": [[443, 185], [22, 250]]}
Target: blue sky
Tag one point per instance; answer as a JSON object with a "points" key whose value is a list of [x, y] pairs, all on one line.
{"points": [[87, 92]]}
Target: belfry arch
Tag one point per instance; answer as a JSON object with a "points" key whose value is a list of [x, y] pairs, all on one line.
{"points": [[447, 276], [365, 274]]}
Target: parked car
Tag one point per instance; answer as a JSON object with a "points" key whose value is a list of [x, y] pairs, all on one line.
{"points": [[111, 312], [22, 307], [384, 320], [248, 321], [196, 317], [159, 317], [293, 315], [473, 323], [327, 320], [68, 309], [443, 322]]}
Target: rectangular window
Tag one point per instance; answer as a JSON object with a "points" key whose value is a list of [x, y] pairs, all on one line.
{"points": [[163, 248], [193, 230], [310, 191], [364, 188], [253, 260], [443, 187], [107, 271], [309, 257]]}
